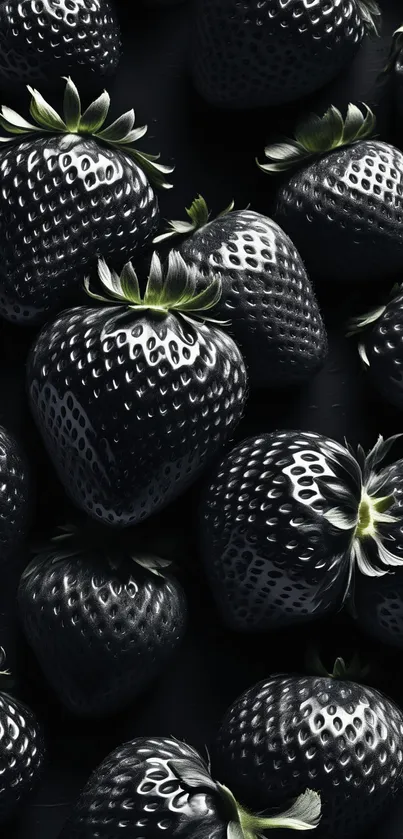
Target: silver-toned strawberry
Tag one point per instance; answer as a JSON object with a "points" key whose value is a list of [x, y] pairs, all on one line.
{"points": [[289, 520], [135, 397]]}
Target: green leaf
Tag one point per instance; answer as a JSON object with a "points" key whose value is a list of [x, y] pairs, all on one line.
{"points": [[134, 136], [353, 123], [71, 106], [370, 12], [92, 293], [179, 282], [110, 280], [234, 831], [119, 129], [193, 773], [227, 210], [44, 114], [129, 284], [317, 134], [95, 115], [175, 228], [148, 163], [198, 212], [205, 300], [155, 282], [15, 123], [154, 564], [304, 814]]}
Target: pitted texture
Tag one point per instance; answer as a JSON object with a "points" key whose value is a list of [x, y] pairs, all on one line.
{"points": [[15, 495], [344, 212], [267, 297], [100, 634], [43, 40], [135, 794], [21, 754], [287, 733], [271, 556], [257, 53], [384, 349], [64, 201], [132, 407]]}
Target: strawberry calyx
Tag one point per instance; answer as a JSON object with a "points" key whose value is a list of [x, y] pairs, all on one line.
{"points": [[170, 288], [368, 550], [370, 12], [316, 136], [361, 324], [199, 216], [90, 539], [353, 671], [304, 813], [120, 134]]}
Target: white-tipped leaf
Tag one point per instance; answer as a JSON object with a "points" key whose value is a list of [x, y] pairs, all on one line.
{"points": [[95, 115], [155, 282], [44, 114], [129, 284], [71, 106], [118, 130], [304, 814], [154, 564]]}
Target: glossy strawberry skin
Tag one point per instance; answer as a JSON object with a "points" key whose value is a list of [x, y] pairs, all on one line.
{"points": [[64, 202], [287, 733], [384, 349], [101, 634], [16, 496], [135, 794], [271, 557], [267, 297], [22, 753], [132, 407], [43, 41], [265, 52], [344, 213]]}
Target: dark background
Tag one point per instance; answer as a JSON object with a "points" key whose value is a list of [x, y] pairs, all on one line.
{"points": [[214, 154]]}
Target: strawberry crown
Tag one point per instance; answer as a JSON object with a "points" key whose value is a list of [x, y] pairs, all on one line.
{"points": [[361, 324], [88, 539], [170, 288], [120, 134], [369, 11], [316, 136], [369, 549], [199, 216], [304, 813], [352, 670]]}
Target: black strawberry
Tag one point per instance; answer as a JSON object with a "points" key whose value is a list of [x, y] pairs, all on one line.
{"points": [[290, 731], [43, 40], [152, 787], [343, 206], [72, 190], [260, 53], [16, 494], [135, 398], [381, 346], [22, 751], [267, 297], [102, 623], [285, 520]]}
